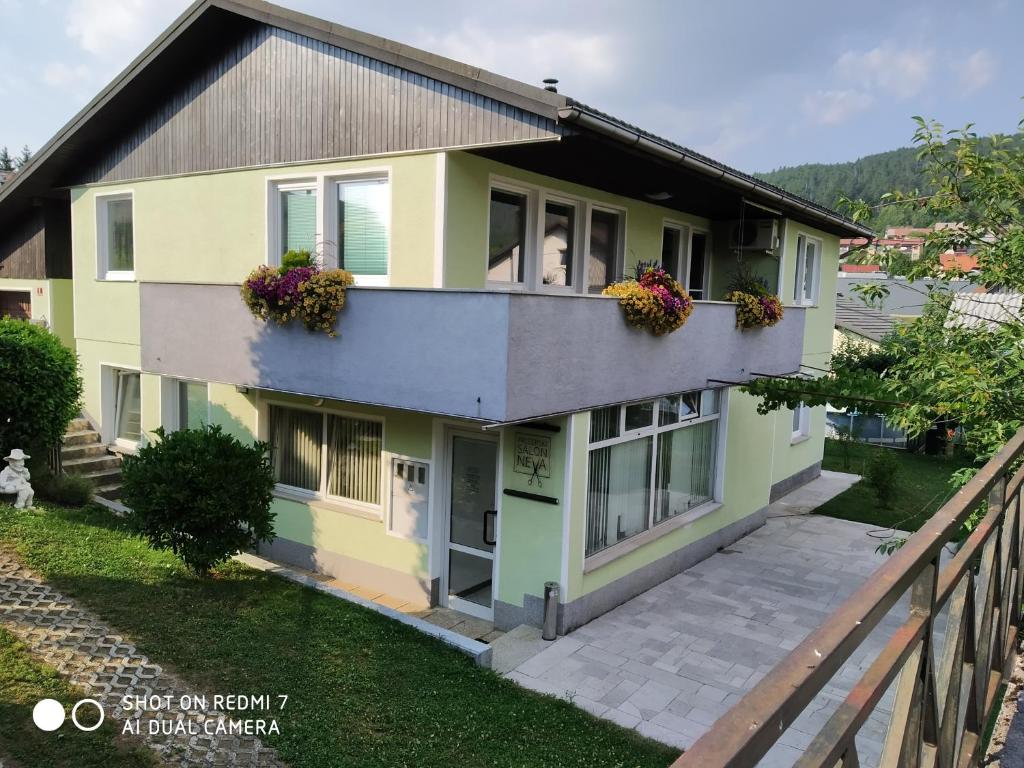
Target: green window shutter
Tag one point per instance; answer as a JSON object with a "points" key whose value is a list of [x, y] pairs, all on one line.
{"points": [[363, 226], [298, 220]]}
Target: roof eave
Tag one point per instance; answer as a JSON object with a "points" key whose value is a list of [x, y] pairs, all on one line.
{"points": [[580, 115]]}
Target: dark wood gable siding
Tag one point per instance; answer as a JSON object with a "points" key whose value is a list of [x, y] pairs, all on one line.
{"points": [[278, 97], [38, 246]]}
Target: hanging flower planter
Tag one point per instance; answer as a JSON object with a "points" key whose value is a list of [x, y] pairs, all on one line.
{"points": [[756, 305], [653, 300], [298, 289]]}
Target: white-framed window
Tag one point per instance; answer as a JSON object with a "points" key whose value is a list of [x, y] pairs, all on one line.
{"points": [[538, 239], [606, 234], [808, 270], [127, 407], [684, 254], [648, 463], [345, 219], [326, 455], [801, 422], [185, 404], [115, 236]]}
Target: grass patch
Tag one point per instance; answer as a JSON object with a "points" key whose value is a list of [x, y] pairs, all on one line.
{"points": [[23, 682], [922, 487], [364, 690]]}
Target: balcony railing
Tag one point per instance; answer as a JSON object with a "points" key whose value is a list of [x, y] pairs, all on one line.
{"points": [[944, 691], [494, 356]]}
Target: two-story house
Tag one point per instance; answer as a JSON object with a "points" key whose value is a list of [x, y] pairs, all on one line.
{"points": [[485, 421]]}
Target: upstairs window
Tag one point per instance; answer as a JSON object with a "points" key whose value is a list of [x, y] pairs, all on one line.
{"points": [[363, 227], [506, 241], [801, 422], [559, 243], [298, 219], [697, 277], [343, 220], [603, 255], [541, 240], [808, 269], [116, 237], [684, 254]]}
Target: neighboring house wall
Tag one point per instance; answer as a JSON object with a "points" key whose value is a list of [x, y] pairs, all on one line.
{"points": [[50, 302]]}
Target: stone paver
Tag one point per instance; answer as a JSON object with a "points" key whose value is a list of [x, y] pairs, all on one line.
{"points": [[108, 667], [672, 660]]}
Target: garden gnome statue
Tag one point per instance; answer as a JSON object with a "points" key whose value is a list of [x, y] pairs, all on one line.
{"points": [[14, 479]]}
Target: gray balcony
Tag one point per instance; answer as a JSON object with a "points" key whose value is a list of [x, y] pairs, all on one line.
{"points": [[484, 355]]}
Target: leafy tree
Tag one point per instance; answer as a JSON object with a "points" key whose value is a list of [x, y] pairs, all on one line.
{"points": [[957, 371], [23, 157], [40, 389], [200, 493], [6, 161]]}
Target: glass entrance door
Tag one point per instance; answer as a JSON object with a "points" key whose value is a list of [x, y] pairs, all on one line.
{"points": [[472, 524]]}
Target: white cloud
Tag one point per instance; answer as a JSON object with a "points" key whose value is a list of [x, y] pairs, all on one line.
{"points": [[112, 29], [977, 71], [894, 70], [580, 61], [832, 107], [59, 74]]}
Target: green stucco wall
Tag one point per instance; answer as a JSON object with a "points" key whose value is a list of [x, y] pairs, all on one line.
{"points": [[530, 535]]}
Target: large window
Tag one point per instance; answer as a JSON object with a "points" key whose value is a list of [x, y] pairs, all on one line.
{"points": [[115, 230], [808, 268], [327, 455], [537, 240], [649, 462], [346, 221]]}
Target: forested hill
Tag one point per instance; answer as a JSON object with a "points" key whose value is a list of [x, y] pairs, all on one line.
{"points": [[868, 178]]}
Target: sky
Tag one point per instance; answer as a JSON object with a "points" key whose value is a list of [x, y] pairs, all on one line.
{"points": [[754, 84]]}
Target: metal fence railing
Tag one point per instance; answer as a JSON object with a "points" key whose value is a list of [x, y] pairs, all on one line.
{"points": [[945, 691]]}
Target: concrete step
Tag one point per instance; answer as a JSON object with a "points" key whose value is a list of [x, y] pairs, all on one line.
{"points": [[84, 437], [111, 491], [75, 452], [91, 463], [103, 476], [79, 425]]}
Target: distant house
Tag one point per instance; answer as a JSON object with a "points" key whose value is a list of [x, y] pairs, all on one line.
{"points": [[859, 324], [904, 298]]}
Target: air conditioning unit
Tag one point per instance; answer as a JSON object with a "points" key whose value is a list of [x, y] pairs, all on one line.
{"points": [[755, 234]]}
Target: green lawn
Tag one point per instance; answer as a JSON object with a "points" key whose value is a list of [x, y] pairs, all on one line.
{"points": [[922, 481], [23, 682], [364, 690]]}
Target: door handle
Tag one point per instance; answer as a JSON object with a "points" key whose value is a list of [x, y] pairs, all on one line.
{"points": [[490, 519]]}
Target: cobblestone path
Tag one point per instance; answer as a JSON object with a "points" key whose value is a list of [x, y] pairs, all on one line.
{"points": [[107, 666]]}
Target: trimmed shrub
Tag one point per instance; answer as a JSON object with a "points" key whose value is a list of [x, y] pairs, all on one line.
{"points": [[200, 493], [40, 389], [882, 473], [66, 490]]}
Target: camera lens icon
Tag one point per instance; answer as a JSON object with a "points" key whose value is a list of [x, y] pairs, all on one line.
{"points": [[49, 715]]}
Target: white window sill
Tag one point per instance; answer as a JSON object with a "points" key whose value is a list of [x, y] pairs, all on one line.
{"points": [[623, 548], [315, 501], [117, 277], [797, 439]]}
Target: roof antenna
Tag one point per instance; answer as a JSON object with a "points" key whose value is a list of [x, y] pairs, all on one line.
{"points": [[550, 83]]}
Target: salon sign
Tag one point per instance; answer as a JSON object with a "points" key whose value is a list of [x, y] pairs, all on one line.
{"points": [[533, 456]]}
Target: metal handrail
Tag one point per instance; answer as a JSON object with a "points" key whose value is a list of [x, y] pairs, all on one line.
{"points": [[982, 587]]}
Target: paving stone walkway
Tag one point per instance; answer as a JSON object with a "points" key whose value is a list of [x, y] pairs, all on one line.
{"points": [[672, 660], [107, 666]]}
